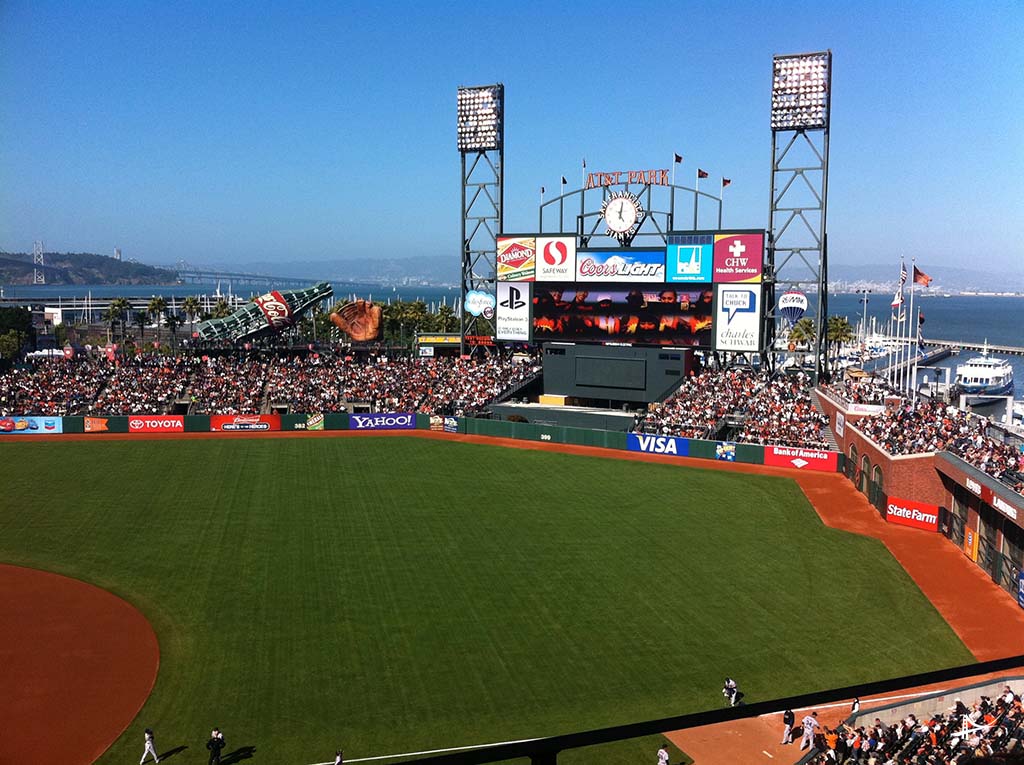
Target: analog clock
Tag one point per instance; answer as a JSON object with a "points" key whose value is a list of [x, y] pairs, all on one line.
{"points": [[622, 213]]}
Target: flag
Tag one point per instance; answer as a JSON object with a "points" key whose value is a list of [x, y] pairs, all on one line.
{"points": [[541, 189], [725, 182], [584, 163], [564, 181], [678, 158], [903, 274], [920, 318], [920, 277], [701, 173], [897, 299]]}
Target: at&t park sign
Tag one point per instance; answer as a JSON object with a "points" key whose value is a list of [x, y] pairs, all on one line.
{"points": [[644, 177]]}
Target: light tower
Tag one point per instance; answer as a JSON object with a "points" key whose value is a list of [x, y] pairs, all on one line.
{"points": [[481, 128], [798, 243], [38, 275]]}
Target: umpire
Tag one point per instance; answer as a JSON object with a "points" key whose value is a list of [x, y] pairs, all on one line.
{"points": [[215, 745]]}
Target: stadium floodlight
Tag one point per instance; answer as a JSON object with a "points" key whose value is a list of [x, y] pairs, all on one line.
{"points": [[481, 118], [801, 91]]}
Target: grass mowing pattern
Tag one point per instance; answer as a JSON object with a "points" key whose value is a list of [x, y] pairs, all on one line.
{"points": [[392, 595]]}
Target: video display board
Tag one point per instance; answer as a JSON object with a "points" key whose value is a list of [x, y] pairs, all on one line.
{"points": [[703, 289], [645, 314]]}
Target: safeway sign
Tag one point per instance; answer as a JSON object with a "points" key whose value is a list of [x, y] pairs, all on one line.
{"points": [[801, 459]]}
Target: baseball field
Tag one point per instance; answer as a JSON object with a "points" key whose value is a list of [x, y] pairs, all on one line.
{"points": [[394, 595]]}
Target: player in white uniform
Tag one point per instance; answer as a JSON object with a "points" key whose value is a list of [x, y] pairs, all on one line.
{"points": [[150, 748], [810, 723], [663, 755]]}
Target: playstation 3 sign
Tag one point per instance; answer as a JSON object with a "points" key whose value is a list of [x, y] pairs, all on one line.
{"points": [[512, 316]]}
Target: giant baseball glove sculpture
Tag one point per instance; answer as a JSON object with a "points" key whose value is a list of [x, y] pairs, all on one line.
{"points": [[359, 320]]}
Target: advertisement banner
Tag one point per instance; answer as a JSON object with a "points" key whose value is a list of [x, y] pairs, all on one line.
{"points": [[556, 258], [802, 459], [725, 451], [154, 423], [864, 408], [638, 442], [642, 314], [738, 318], [620, 266], [738, 257], [1020, 589], [382, 421], [441, 424], [971, 544], [517, 259], [96, 425], [689, 258], [906, 512], [840, 424], [512, 319], [234, 423], [30, 426]]}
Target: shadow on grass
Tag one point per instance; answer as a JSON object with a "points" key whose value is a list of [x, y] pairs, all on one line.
{"points": [[172, 752], [242, 753]]}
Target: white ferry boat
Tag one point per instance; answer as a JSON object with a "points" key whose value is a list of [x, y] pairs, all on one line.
{"points": [[984, 376]]}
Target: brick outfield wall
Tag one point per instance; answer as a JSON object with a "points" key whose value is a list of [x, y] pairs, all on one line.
{"points": [[911, 477]]}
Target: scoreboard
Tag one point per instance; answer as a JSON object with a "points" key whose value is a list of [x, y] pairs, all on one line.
{"points": [[702, 290]]}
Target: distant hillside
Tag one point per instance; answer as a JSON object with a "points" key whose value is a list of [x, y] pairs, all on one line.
{"points": [[428, 269], [80, 268], [944, 278]]}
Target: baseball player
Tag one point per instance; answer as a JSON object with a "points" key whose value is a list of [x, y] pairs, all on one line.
{"points": [[150, 747], [663, 755], [810, 723], [730, 690], [788, 718]]}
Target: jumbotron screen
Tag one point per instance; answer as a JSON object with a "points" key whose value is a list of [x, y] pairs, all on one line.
{"points": [[703, 288], [645, 314]]}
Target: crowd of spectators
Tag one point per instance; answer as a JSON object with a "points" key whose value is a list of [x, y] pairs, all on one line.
{"points": [[768, 410], [782, 413], [952, 737], [227, 384], [429, 385], [924, 425], [868, 390]]}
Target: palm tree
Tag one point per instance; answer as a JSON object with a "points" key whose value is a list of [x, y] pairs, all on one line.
{"points": [[839, 333], [140, 318], [156, 308], [446, 318], [221, 309], [803, 332], [116, 312], [192, 308], [173, 321]]}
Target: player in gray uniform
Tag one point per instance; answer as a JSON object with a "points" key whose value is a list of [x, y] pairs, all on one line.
{"points": [[150, 748]]}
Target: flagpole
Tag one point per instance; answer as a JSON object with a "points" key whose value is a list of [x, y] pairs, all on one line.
{"points": [[674, 163], [696, 194], [721, 196], [917, 354], [913, 265]]}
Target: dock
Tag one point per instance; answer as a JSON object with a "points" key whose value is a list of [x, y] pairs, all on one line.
{"points": [[998, 350]]}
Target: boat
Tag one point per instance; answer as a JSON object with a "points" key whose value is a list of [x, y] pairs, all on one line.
{"points": [[984, 377]]}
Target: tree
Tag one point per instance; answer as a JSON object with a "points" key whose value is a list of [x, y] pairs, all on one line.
{"points": [[447, 321], [221, 309], [803, 332], [10, 343], [116, 312], [140, 318], [156, 308], [839, 333], [173, 321], [192, 308]]}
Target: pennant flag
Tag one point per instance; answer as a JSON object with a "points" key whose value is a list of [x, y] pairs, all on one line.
{"points": [[701, 173], [725, 182], [678, 158], [564, 181], [920, 277]]}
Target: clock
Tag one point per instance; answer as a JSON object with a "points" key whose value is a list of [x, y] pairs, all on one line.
{"points": [[622, 213]]}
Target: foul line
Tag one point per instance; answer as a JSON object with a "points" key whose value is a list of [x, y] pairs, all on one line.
{"points": [[528, 740], [432, 751]]}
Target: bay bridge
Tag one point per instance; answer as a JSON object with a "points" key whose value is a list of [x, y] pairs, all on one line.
{"points": [[191, 275]]}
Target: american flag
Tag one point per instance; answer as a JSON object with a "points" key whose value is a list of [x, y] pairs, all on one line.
{"points": [[903, 274]]}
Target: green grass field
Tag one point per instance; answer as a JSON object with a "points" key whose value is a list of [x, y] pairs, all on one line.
{"points": [[394, 595]]}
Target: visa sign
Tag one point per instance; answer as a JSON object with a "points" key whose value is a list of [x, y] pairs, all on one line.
{"points": [[638, 442]]}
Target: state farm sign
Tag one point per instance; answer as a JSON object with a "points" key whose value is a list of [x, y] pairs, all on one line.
{"points": [[801, 459], [906, 512], [156, 424]]}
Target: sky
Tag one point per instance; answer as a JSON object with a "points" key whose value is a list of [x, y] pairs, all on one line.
{"points": [[221, 133]]}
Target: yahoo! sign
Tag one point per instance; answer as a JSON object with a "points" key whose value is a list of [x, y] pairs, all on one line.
{"points": [[917, 514], [383, 421]]}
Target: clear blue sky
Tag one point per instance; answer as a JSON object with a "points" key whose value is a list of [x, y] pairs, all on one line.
{"points": [[224, 132]]}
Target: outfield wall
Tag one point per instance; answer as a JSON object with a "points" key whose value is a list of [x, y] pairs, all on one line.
{"points": [[155, 425]]}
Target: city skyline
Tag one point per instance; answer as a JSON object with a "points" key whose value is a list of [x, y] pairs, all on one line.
{"points": [[226, 135]]}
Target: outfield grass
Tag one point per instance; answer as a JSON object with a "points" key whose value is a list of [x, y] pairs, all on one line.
{"points": [[392, 595]]}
